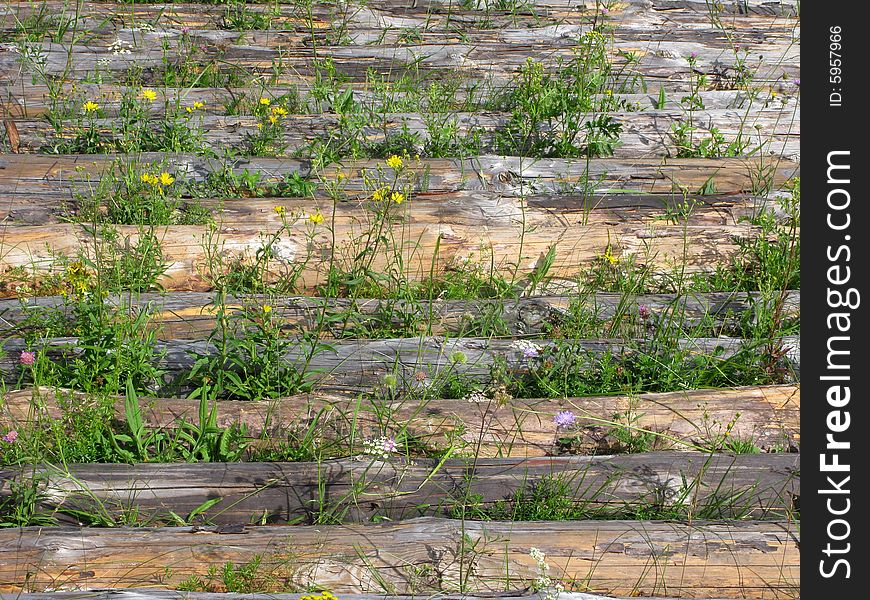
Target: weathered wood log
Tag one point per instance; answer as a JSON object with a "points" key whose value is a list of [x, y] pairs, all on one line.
{"points": [[507, 175], [189, 254], [737, 559], [352, 366], [480, 208], [27, 100], [190, 315], [773, 130], [163, 594], [364, 488], [767, 416]]}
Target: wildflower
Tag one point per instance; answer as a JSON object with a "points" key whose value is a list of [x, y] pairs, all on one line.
{"points": [[378, 195], [27, 358], [10, 437], [316, 218], [394, 162], [198, 105], [267, 308], [90, 107], [185, 30], [280, 111], [280, 210], [643, 312], [797, 82], [528, 348], [273, 119], [119, 47], [475, 398], [397, 197], [149, 179], [391, 380], [265, 101], [609, 257], [188, 109], [259, 126], [341, 176], [380, 447], [166, 179], [149, 94], [564, 419]]}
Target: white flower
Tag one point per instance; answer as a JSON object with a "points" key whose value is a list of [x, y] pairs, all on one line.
{"points": [[527, 348], [119, 47], [475, 398]]}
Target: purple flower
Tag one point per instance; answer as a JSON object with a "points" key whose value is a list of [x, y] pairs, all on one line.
{"points": [[797, 81], [531, 353], [694, 55], [10, 437], [27, 358], [389, 445], [643, 311], [185, 29], [564, 419]]}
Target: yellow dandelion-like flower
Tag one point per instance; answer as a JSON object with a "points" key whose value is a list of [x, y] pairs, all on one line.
{"points": [[398, 197], [166, 179], [197, 105], [394, 162], [259, 125], [149, 94], [265, 101], [273, 119], [149, 179], [341, 176], [280, 210], [267, 308], [609, 257], [378, 196], [90, 106], [280, 111], [316, 218]]}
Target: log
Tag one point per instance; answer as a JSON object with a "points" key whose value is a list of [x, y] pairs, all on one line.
{"points": [[30, 100], [360, 365], [733, 560], [507, 175], [190, 315], [162, 594], [363, 488], [768, 416], [773, 130]]}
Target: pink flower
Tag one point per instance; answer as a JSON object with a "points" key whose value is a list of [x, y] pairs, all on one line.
{"points": [[27, 358], [643, 311], [389, 445], [10, 437]]}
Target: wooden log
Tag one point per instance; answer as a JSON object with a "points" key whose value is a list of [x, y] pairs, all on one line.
{"points": [[736, 559], [190, 315], [352, 366], [163, 594], [469, 208], [772, 130], [363, 488], [767, 416], [28, 100], [506, 175]]}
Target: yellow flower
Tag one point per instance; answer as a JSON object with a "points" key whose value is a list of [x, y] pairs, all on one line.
{"points": [[267, 308], [166, 179], [341, 176], [149, 179], [280, 210], [149, 94], [398, 197], [273, 119], [197, 105], [265, 101], [90, 106], [394, 162], [259, 125], [608, 255], [280, 111], [316, 218], [378, 195], [188, 109]]}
